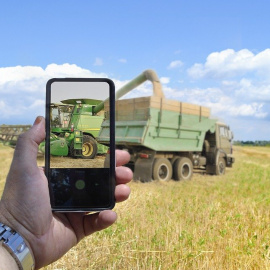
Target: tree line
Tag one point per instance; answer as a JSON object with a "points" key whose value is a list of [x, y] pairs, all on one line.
{"points": [[252, 143]]}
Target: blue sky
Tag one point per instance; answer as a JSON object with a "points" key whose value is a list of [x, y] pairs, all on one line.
{"points": [[213, 53]]}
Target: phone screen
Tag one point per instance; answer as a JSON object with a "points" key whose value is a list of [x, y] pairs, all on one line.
{"points": [[80, 144]]}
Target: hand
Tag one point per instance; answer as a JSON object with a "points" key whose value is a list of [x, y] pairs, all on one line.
{"points": [[25, 204]]}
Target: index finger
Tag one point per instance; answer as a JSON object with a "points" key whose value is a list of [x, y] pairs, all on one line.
{"points": [[122, 157]]}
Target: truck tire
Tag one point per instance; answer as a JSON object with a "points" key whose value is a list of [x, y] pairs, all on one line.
{"points": [[162, 169], [183, 169], [89, 147], [221, 166]]}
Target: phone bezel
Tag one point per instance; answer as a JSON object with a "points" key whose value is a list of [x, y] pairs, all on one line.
{"points": [[112, 143]]}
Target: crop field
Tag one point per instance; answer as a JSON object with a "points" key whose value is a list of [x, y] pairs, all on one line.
{"points": [[210, 222]]}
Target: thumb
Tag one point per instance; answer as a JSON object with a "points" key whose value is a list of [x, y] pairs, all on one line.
{"points": [[27, 144]]}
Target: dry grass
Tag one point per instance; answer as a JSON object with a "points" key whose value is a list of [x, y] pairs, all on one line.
{"points": [[208, 223], [6, 154]]}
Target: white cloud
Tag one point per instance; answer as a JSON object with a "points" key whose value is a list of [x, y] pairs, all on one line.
{"points": [[14, 74], [175, 64], [22, 93], [253, 109], [164, 80], [22, 89], [37, 103], [240, 88], [247, 89], [233, 109], [220, 103], [122, 60], [98, 62], [67, 70], [4, 110], [33, 78], [11, 110], [230, 63], [14, 78]]}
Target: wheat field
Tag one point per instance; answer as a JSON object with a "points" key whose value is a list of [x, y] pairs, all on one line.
{"points": [[210, 222]]}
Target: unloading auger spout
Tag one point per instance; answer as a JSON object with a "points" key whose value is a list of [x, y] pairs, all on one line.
{"points": [[143, 77]]}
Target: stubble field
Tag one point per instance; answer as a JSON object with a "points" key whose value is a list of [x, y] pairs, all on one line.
{"points": [[210, 222], [69, 162]]}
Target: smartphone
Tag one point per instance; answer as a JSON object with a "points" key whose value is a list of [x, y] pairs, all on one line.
{"points": [[80, 144]]}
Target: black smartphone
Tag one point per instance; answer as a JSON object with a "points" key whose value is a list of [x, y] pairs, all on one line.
{"points": [[80, 143]]}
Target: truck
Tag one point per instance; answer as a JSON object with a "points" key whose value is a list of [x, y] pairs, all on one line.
{"points": [[167, 139]]}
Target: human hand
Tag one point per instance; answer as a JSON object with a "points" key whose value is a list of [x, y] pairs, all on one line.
{"points": [[25, 204]]}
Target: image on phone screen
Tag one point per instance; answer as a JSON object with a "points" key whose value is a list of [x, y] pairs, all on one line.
{"points": [[80, 150]]}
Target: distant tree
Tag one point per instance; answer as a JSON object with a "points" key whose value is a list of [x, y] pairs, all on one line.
{"points": [[252, 143]]}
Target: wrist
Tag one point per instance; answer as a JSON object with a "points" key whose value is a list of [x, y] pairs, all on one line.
{"points": [[17, 247], [12, 221], [7, 261]]}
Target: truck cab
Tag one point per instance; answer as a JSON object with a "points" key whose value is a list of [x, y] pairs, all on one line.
{"points": [[224, 137], [218, 149]]}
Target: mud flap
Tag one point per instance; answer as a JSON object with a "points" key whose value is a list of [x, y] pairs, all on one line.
{"points": [[211, 157], [143, 168], [210, 169]]}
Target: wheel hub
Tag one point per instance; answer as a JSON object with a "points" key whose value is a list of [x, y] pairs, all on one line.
{"points": [[163, 171], [87, 149]]}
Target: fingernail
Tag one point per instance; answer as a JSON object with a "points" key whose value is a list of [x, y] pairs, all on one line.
{"points": [[38, 120]]}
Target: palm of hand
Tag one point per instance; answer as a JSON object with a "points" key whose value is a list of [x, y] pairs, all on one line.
{"points": [[25, 204]]}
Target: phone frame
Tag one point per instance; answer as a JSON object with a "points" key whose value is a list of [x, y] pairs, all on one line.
{"points": [[111, 145]]}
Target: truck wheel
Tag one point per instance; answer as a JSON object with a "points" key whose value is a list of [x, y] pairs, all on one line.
{"points": [[221, 166], [183, 169], [162, 169], [89, 147]]}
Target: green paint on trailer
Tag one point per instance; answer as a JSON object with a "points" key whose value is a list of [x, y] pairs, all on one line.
{"points": [[163, 134]]}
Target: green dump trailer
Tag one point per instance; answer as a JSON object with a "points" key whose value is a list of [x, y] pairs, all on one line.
{"points": [[168, 138]]}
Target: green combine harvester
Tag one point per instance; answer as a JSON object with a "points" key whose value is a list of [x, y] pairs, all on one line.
{"points": [[74, 128], [75, 124]]}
